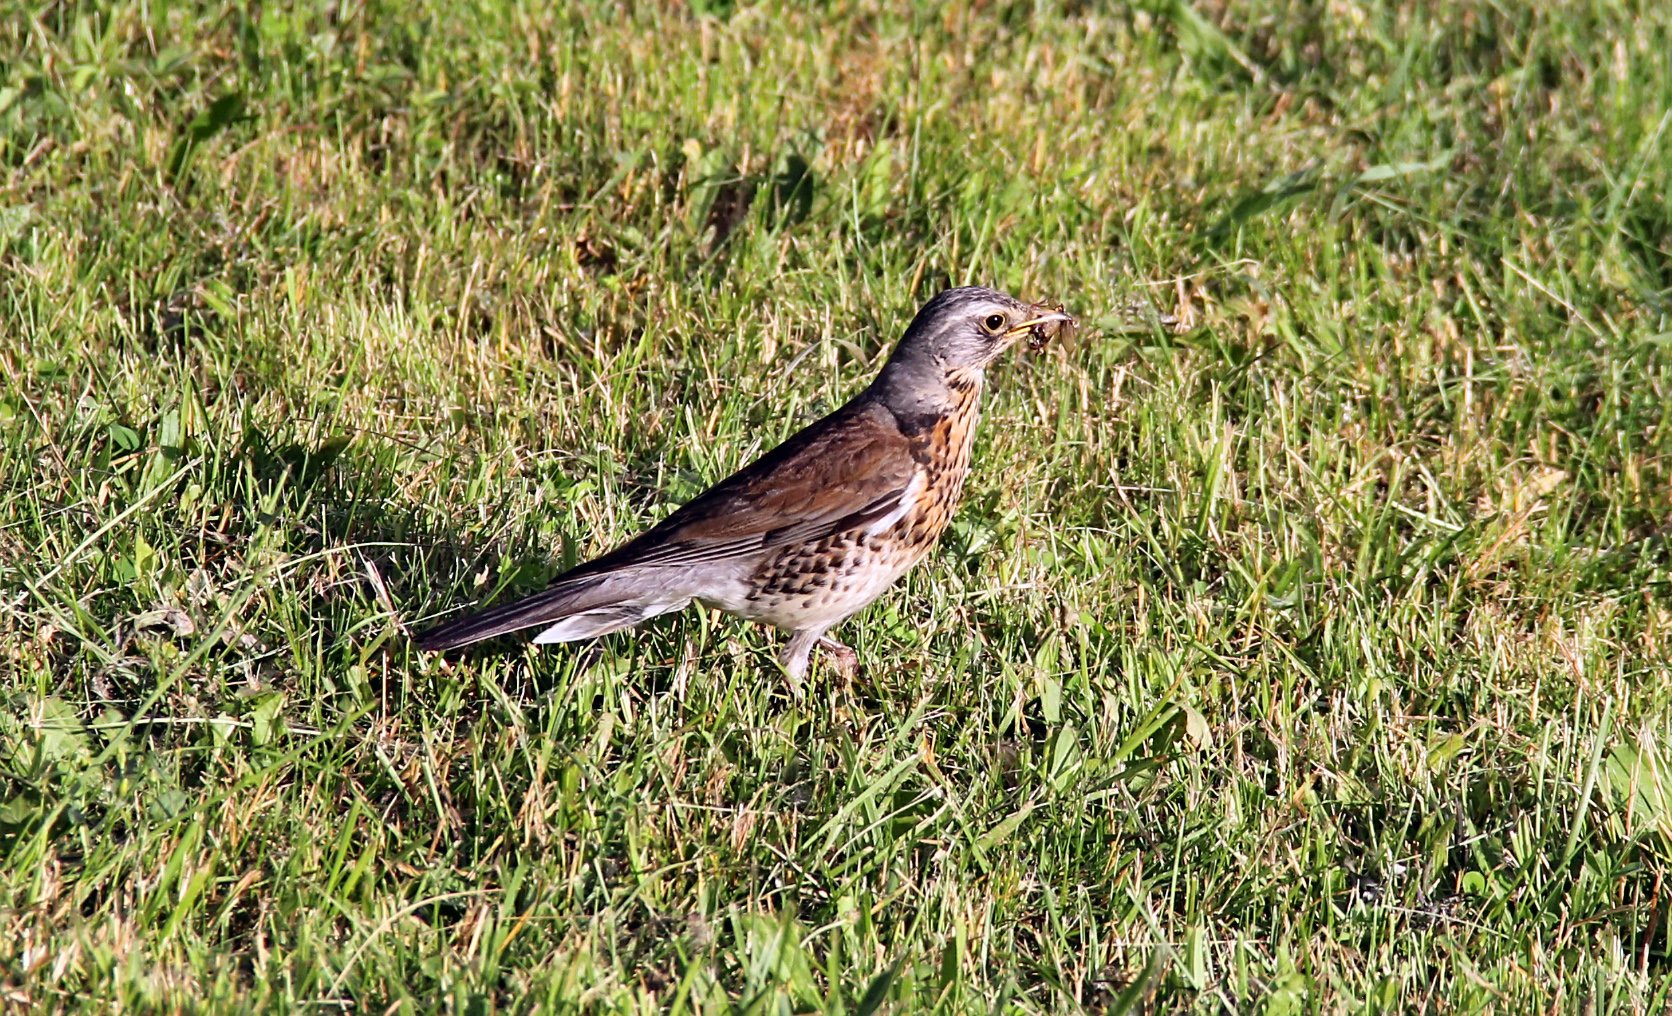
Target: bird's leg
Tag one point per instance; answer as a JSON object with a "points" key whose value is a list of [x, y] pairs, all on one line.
{"points": [[799, 650], [795, 654], [842, 657]]}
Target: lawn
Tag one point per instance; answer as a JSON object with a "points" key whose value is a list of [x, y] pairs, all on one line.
{"points": [[1304, 642]]}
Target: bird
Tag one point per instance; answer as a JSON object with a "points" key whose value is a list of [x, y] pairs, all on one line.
{"points": [[820, 526]]}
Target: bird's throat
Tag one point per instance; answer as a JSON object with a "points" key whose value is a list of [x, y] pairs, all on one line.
{"points": [[964, 382]]}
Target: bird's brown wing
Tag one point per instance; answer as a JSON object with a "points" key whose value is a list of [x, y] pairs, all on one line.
{"points": [[848, 470], [844, 472]]}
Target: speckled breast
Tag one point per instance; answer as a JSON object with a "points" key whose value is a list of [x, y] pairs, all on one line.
{"points": [[823, 582]]}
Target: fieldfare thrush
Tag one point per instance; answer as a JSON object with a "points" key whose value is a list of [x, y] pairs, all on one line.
{"points": [[820, 526]]}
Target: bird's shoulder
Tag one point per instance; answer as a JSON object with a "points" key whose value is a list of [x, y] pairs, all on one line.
{"points": [[843, 462], [837, 473]]}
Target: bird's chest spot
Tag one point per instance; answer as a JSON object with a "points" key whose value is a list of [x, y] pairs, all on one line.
{"points": [[829, 578], [944, 455], [844, 571]]}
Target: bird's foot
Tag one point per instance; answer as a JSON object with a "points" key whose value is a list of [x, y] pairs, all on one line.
{"points": [[842, 657]]}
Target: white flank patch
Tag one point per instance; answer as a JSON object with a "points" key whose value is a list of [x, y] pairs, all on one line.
{"points": [[907, 499]]}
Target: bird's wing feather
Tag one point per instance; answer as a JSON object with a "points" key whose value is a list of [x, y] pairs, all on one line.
{"points": [[845, 472], [850, 470]]}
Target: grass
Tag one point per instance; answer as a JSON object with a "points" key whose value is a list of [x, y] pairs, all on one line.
{"points": [[1311, 654]]}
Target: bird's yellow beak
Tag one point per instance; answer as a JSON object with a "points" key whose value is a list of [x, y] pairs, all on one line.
{"points": [[1044, 325], [1054, 317]]}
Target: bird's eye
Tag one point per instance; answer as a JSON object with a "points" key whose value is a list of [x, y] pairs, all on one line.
{"points": [[994, 322]]}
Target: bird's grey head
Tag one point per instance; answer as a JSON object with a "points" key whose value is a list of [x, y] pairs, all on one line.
{"points": [[961, 331]]}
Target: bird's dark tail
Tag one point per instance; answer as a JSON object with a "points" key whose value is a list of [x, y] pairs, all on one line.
{"points": [[594, 605]]}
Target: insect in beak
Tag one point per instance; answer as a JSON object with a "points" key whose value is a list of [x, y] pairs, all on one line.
{"points": [[1042, 328]]}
